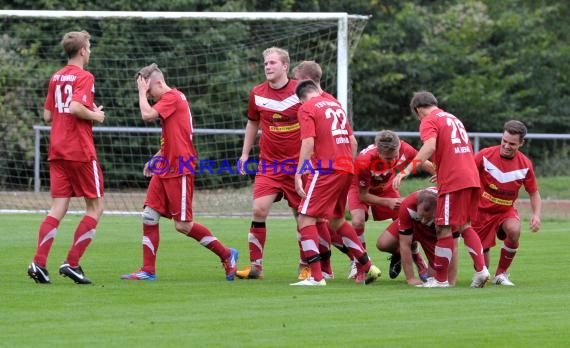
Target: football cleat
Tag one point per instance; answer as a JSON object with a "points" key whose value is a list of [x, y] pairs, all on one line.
{"points": [[502, 279], [304, 272], [230, 264], [328, 276], [395, 265], [139, 275], [310, 282], [433, 283], [250, 272], [353, 270], [480, 278], [39, 274], [74, 273]]}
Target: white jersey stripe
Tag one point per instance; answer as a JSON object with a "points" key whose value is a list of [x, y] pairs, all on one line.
{"points": [[446, 208], [96, 176], [310, 193], [276, 105], [183, 200], [503, 177]]}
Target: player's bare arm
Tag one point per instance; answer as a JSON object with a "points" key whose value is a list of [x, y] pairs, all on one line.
{"points": [[80, 111], [47, 116], [251, 130], [536, 207], [146, 170], [388, 202], [307, 148], [407, 261], [426, 151]]}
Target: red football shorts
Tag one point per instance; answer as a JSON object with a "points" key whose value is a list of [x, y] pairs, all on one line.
{"points": [[326, 195], [171, 197], [457, 208], [75, 179], [379, 213], [282, 184], [487, 224]]}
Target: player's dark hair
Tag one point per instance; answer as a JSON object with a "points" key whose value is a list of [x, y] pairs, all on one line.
{"points": [[515, 127], [422, 99], [386, 141], [74, 41], [304, 87]]}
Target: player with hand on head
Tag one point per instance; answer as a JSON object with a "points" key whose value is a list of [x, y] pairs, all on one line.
{"points": [[171, 186], [73, 165], [503, 169], [446, 141], [326, 138]]}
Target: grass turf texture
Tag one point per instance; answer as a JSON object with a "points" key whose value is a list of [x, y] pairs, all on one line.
{"points": [[191, 304]]}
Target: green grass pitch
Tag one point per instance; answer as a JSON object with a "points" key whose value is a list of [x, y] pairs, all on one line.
{"points": [[192, 305]]}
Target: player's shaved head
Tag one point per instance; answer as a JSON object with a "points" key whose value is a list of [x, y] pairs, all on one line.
{"points": [[151, 72]]}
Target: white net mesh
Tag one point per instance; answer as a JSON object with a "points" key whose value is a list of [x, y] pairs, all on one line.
{"points": [[215, 63]]}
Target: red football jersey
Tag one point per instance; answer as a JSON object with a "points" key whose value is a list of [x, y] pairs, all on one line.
{"points": [[453, 157], [408, 219], [501, 178], [375, 173], [326, 121], [176, 140], [276, 110], [71, 138]]}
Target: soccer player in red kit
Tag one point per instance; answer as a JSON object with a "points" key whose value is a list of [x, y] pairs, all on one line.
{"points": [[311, 70], [372, 189], [74, 169], [272, 107], [171, 187], [503, 169], [415, 224], [327, 141], [445, 140]]}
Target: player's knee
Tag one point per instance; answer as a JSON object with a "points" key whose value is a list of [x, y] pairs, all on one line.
{"points": [[260, 212], [150, 216]]}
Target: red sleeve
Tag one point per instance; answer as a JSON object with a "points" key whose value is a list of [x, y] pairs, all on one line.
{"points": [[49, 102], [408, 151], [364, 175], [428, 128], [307, 121], [530, 184], [404, 219], [252, 112], [84, 90], [166, 106]]}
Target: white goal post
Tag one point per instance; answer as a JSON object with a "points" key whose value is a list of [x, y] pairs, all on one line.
{"points": [[214, 57]]}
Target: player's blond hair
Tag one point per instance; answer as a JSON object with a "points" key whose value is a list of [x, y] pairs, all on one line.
{"points": [[73, 41], [282, 53], [309, 69]]}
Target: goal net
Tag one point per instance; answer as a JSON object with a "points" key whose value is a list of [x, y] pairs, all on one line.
{"points": [[214, 58]]}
